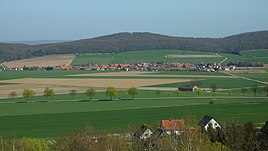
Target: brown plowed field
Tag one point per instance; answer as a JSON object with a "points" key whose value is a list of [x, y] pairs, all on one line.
{"points": [[64, 85], [45, 61]]}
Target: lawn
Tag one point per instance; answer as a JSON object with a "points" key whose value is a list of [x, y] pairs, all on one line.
{"points": [[55, 119]]}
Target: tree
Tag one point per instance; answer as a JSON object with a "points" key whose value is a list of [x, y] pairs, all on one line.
{"points": [[111, 91], [178, 92], [91, 92], [73, 92], [213, 88], [254, 89], [230, 92], [133, 91], [28, 93], [157, 92], [243, 90], [49, 93], [266, 90], [198, 91], [12, 94]]}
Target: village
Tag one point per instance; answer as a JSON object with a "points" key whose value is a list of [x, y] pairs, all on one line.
{"points": [[159, 66]]}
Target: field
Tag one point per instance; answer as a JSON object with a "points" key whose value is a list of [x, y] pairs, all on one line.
{"points": [[183, 56], [54, 119], [45, 61], [43, 118], [145, 56]]}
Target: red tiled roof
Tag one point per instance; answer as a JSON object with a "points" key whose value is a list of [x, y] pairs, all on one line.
{"points": [[172, 124]]}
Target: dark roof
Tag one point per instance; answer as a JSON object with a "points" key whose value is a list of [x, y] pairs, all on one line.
{"points": [[205, 120], [186, 88]]}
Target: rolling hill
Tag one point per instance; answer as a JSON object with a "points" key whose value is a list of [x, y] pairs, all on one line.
{"points": [[138, 41]]}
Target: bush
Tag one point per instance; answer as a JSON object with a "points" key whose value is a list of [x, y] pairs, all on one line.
{"points": [[25, 144], [89, 141]]}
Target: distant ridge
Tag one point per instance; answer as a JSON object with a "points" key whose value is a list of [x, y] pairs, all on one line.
{"points": [[38, 42], [138, 41]]}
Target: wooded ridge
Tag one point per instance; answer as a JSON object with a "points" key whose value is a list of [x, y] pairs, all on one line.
{"points": [[138, 41]]}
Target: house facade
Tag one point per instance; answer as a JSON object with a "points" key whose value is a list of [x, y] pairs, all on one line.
{"points": [[208, 121], [143, 133]]}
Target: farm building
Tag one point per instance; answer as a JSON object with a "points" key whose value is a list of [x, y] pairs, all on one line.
{"points": [[207, 121], [143, 133], [188, 88], [169, 127]]}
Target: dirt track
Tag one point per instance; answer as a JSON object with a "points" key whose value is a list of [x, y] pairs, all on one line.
{"points": [[192, 56]]}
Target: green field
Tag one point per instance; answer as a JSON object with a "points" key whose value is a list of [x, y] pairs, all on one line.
{"points": [[256, 55], [159, 55], [141, 56], [55, 119], [222, 83]]}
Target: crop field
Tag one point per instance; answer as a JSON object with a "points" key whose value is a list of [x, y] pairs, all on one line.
{"points": [[183, 56], [54, 119], [45, 61], [146, 56]]}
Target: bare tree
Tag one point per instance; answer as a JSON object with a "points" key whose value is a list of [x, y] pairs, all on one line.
{"points": [[73, 92], [157, 92], [254, 89], [12, 94], [266, 90], [213, 88], [244, 90], [91, 92]]}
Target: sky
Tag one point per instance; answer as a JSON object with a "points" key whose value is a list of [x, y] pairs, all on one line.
{"points": [[22, 20]]}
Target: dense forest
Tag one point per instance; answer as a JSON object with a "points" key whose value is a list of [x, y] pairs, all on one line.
{"points": [[138, 41]]}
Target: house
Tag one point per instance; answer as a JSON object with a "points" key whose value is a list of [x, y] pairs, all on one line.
{"points": [[143, 133], [188, 88], [172, 126], [207, 121]]}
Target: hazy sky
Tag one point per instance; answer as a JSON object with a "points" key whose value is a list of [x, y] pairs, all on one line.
{"points": [[79, 19]]}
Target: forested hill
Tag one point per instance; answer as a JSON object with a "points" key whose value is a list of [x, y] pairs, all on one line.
{"points": [[138, 41]]}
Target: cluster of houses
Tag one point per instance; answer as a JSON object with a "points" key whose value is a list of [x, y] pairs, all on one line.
{"points": [[171, 128], [173, 66]]}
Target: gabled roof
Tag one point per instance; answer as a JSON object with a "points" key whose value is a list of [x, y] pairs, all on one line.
{"points": [[172, 124], [204, 121]]}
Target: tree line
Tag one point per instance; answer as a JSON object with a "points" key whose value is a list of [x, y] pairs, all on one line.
{"points": [[111, 92]]}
